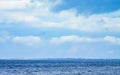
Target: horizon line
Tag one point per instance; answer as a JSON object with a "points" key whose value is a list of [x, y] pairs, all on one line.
{"points": [[59, 58]]}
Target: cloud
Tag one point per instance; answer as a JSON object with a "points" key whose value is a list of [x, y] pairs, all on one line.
{"points": [[13, 4], [28, 4], [39, 14], [28, 40], [71, 39], [90, 23], [112, 39], [33, 13], [76, 39], [22, 17]]}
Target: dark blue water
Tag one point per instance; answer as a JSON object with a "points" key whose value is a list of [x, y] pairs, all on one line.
{"points": [[60, 67]]}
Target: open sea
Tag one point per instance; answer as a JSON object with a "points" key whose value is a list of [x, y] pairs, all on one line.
{"points": [[60, 67]]}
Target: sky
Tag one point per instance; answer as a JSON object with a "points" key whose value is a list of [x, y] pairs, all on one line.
{"points": [[59, 29]]}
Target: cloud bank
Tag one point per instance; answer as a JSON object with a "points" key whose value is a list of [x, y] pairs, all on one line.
{"points": [[39, 14], [73, 39]]}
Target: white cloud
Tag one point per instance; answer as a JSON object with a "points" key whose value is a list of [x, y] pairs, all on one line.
{"points": [[21, 17], [33, 12], [77, 39], [91, 23], [28, 40], [68, 19], [72, 39], [37, 13], [13, 4], [112, 39]]}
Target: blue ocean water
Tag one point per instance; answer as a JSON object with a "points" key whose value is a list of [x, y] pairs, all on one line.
{"points": [[60, 67]]}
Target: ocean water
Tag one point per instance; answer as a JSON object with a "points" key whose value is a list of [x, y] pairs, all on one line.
{"points": [[60, 67]]}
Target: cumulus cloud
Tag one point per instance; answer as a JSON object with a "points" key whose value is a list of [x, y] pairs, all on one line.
{"points": [[13, 4], [34, 12], [22, 17], [72, 39], [28, 40], [90, 23], [38, 14], [112, 39], [77, 39]]}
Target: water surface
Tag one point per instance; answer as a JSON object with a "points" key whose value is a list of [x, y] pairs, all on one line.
{"points": [[60, 67]]}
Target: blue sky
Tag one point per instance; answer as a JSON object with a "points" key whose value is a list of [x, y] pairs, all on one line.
{"points": [[59, 29]]}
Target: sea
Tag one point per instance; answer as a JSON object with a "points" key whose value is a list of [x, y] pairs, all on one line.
{"points": [[60, 67]]}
